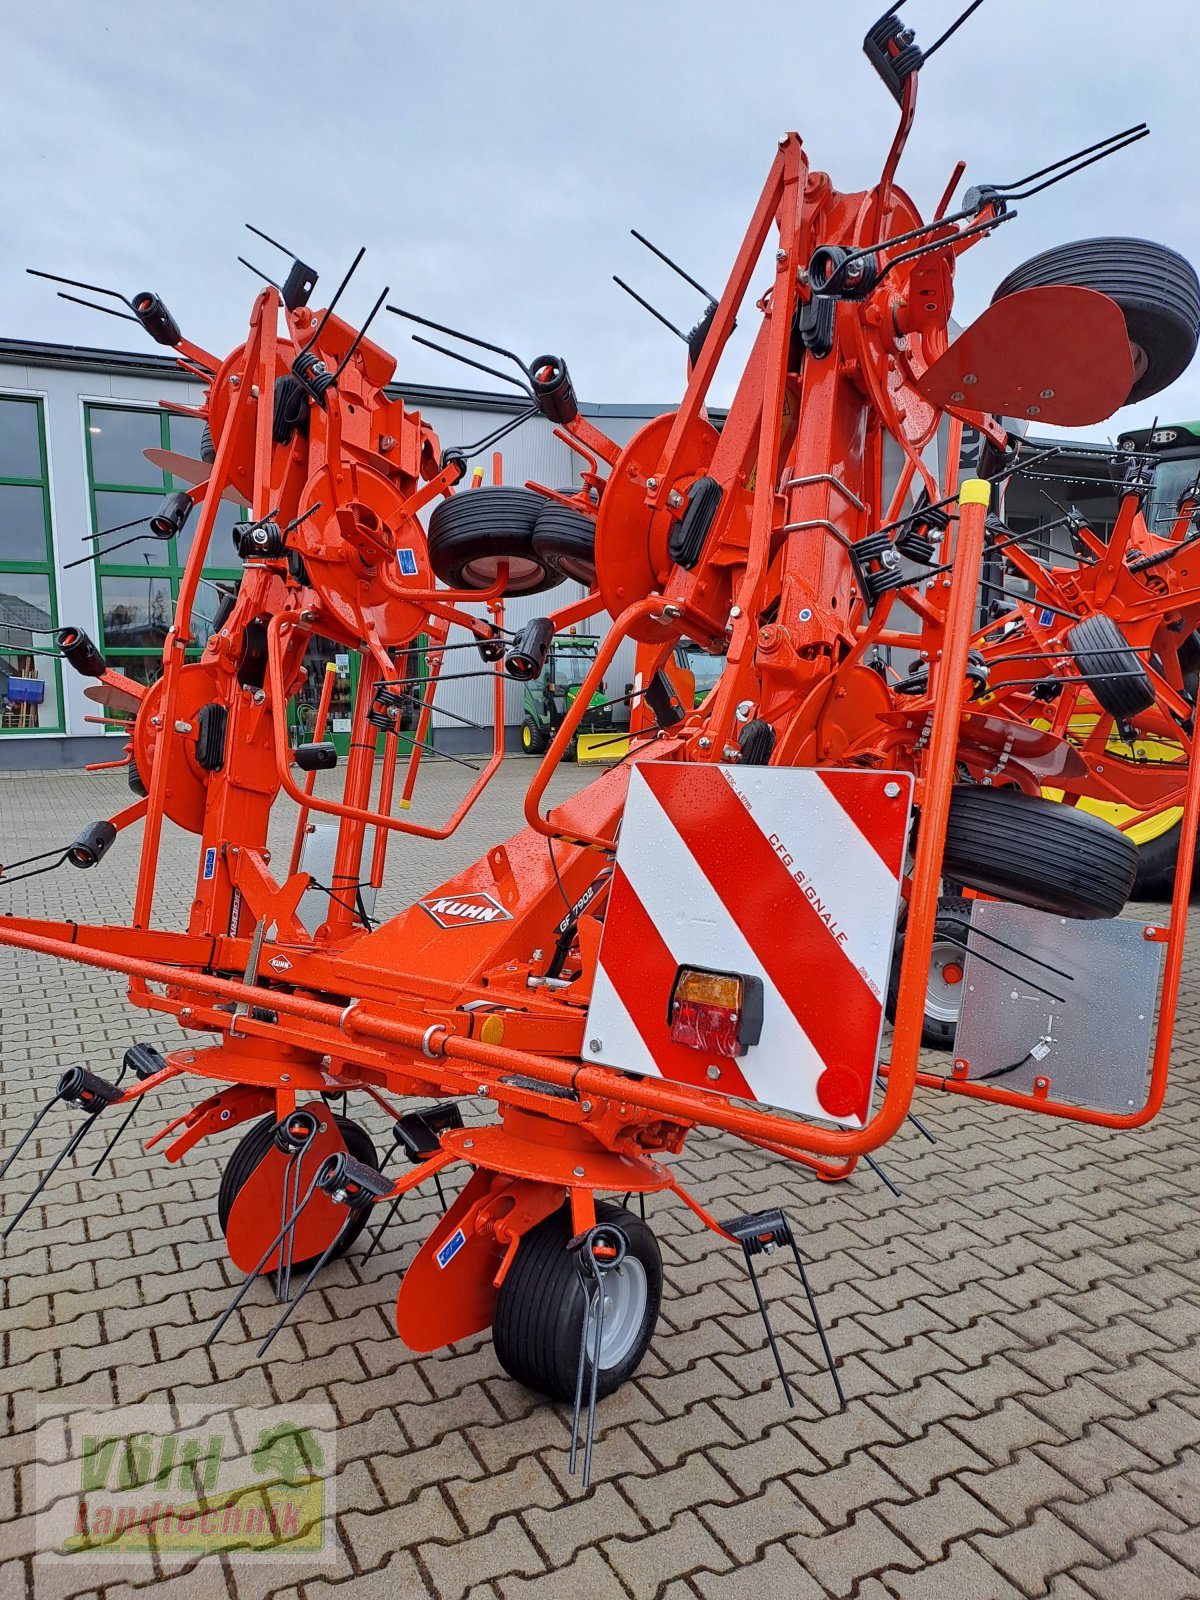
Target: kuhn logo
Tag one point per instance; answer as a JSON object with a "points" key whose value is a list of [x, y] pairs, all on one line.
{"points": [[280, 963], [464, 910]]}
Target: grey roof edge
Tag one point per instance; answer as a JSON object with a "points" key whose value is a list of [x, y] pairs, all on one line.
{"points": [[149, 364]]}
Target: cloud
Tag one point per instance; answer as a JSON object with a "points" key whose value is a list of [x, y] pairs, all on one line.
{"points": [[492, 156]]}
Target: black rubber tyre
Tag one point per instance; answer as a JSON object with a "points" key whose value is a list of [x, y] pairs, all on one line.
{"points": [[471, 533], [1113, 672], [1157, 862], [942, 1003], [538, 1320], [1038, 853], [566, 540], [253, 1146], [1156, 289], [535, 741]]}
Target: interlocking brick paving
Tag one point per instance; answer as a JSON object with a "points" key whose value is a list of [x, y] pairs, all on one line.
{"points": [[1019, 1338]]}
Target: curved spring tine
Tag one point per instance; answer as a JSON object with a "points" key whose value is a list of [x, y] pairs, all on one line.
{"points": [[263, 1259], [304, 1287]]}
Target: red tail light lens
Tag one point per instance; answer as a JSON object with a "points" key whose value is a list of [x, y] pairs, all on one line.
{"points": [[717, 1012]]}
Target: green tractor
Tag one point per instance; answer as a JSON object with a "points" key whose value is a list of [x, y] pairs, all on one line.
{"points": [[549, 696]]}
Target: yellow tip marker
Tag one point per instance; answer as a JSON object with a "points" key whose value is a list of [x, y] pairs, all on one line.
{"points": [[405, 805], [330, 667], [974, 492], [477, 477]]}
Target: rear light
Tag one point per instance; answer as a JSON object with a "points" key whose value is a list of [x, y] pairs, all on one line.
{"points": [[717, 1012]]}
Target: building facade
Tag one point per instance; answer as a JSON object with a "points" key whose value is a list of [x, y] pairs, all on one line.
{"points": [[75, 424]]}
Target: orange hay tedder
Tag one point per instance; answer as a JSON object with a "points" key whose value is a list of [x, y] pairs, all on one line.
{"points": [[703, 936]]}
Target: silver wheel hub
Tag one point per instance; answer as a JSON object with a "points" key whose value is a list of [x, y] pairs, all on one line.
{"points": [[625, 1292], [943, 997]]}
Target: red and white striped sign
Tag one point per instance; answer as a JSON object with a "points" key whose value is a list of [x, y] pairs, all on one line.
{"points": [[791, 875]]}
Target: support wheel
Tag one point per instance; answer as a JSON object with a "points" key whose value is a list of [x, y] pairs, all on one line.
{"points": [[472, 533], [943, 997], [253, 1146], [538, 1318], [1156, 289], [1115, 674], [566, 540], [1035, 852]]}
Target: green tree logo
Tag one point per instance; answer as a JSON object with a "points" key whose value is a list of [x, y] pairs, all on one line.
{"points": [[288, 1453]]}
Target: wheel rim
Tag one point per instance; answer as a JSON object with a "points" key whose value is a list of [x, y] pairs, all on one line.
{"points": [[943, 998], [526, 738], [626, 1292]]}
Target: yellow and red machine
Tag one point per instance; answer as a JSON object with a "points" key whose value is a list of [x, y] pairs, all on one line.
{"points": [[702, 936]]}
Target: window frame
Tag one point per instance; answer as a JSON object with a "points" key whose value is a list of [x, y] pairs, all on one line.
{"points": [[46, 568]]}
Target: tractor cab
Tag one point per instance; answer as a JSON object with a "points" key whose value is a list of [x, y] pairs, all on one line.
{"points": [[550, 695]]}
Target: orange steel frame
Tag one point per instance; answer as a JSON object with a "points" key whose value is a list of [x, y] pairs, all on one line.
{"points": [[411, 1009]]}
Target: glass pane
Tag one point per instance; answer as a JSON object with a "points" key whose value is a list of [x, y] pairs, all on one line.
{"points": [[185, 436], [116, 440], [113, 511], [137, 612], [20, 456], [22, 524], [221, 553], [28, 697]]}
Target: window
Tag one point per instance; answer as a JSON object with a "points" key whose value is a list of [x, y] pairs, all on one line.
{"points": [[139, 580], [30, 683]]}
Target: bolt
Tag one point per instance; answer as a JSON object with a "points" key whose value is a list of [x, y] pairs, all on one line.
{"points": [[674, 499], [714, 1073], [578, 1171], [905, 36], [595, 1046], [285, 1077], [468, 1144], [308, 616], [891, 790], [781, 256], [585, 1105], [705, 742], [254, 390], [969, 377], [1033, 411], [537, 955], [225, 1116], [183, 727], [387, 442], [234, 381], [156, 722], [259, 697], [734, 613], [186, 1012], [652, 483], [745, 710], [731, 753], [958, 397], [1047, 394]]}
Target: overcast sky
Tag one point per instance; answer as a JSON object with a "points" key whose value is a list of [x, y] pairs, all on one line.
{"points": [[493, 154]]}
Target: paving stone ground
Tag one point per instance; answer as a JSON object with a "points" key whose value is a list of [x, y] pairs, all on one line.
{"points": [[1019, 1338]]}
